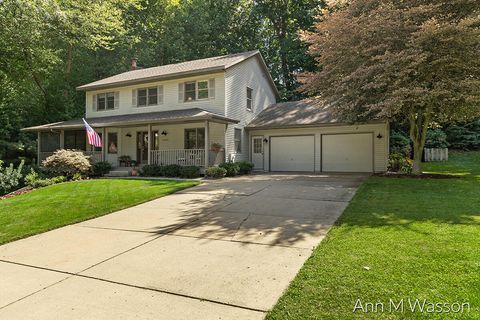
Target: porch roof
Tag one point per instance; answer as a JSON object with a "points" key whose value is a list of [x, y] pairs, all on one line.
{"points": [[170, 116]]}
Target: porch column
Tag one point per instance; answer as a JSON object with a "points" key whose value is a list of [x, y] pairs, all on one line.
{"points": [[149, 144], [38, 148], [104, 144], [62, 139], [207, 133]]}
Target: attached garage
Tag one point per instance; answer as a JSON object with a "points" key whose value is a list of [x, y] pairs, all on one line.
{"points": [[304, 136], [292, 153], [347, 152]]}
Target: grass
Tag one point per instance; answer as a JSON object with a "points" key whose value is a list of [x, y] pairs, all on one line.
{"points": [[66, 203], [420, 239]]}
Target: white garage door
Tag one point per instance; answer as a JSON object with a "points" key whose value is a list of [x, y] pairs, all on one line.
{"points": [[295, 153], [347, 152]]}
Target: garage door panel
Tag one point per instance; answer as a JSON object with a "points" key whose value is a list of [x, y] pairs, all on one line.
{"points": [[293, 153], [347, 152]]}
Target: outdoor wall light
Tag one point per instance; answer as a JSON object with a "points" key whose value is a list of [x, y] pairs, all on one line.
{"points": [[164, 133], [379, 136], [129, 135], [265, 140]]}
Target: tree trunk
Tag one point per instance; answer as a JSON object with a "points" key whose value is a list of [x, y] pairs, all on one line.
{"points": [[418, 134]]}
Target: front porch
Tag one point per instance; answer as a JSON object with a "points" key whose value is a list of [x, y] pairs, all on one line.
{"points": [[128, 141]]}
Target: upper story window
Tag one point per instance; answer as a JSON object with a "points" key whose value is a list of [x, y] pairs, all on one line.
{"points": [[249, 98], [146, 97], [196, 90], [105, 101]]}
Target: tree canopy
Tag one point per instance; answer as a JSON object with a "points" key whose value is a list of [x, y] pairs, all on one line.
{"points": [[414, 60], [49, 47]]}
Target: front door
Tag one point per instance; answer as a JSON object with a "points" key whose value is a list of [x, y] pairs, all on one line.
{"points": [[142, 145], [257, 152]]}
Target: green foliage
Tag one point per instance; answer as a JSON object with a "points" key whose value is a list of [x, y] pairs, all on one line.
{"points": [[436, 138], [171, 170], [398, 162], [36, 180], [10, 178], [464, 136], [245, 167], [233, 168], [100, 168], [67, 163], [215, 172], [152, 170], [189, 172], [400, 143]]}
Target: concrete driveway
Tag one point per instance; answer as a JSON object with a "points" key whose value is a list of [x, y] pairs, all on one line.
{"points": [[223, 250]]}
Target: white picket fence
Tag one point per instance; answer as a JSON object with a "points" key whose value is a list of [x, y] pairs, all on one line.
{"points": [[435, 154]]}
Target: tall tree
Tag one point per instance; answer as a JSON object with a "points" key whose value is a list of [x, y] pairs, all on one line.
{"points": [[415, 60]]}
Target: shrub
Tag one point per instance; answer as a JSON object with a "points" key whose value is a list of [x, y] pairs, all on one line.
{"points": [[436, 138], [67, 163], [232, 168], [189, 172], [245, 167], [171, 170], [10, 178], [400, 143], [100, 168], [464, 136], [397, 162], [35, 180], [152, 170], [215, 172]]}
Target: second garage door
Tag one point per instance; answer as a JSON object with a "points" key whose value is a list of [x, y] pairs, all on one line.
{"points": [[292, 153], [347, 152]]}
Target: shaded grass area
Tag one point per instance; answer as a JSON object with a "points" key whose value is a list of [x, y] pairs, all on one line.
{"points": [[66, 203], [420, 239]]}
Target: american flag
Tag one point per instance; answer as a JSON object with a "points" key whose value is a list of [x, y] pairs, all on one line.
{"points": [[93, 137]]}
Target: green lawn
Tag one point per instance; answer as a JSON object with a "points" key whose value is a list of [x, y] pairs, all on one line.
{"points": [[419, 237], [66, 203]]}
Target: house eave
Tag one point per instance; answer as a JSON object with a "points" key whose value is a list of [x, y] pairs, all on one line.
{"points": [[300, 126]]}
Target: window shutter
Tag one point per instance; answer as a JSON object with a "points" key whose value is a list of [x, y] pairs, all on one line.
{"points": [[134, 97], [94, 102], [116, 100], [180, 92], [160, 94], [211, 89]]}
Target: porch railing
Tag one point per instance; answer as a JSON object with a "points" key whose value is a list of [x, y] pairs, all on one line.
{"points": [[183, 157]]}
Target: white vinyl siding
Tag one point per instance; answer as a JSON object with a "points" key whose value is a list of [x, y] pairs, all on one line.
{"points": [[168, 97], [237, 78]]}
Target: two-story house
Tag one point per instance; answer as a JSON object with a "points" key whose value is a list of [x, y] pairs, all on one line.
{"points": [[208, 111]]}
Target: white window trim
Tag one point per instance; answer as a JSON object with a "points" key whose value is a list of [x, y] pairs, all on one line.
{"points": [[159, 96], [116, 101], [249, 99], [208, 89]]}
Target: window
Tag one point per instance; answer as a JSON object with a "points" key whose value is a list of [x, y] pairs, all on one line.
{"points": [[249, 98], [112, 142], [257, 145], [149, 96], [49, 141], [202, 92], [190, 91], [238, 140], [197, 90], [195, 138], [75, 140], [106, 101]]}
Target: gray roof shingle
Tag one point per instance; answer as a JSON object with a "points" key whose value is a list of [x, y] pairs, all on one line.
{"points": [[172, 70], [172, 116], [295, 113]]}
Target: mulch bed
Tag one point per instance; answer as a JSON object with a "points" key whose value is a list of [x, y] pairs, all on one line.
{"points": [[420, 176], [17, 193]]}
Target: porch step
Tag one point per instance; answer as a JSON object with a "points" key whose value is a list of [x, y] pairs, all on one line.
{"points": [[118, 173]]}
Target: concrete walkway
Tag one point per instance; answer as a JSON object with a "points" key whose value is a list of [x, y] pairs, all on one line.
{"points": [[223, 250]]}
